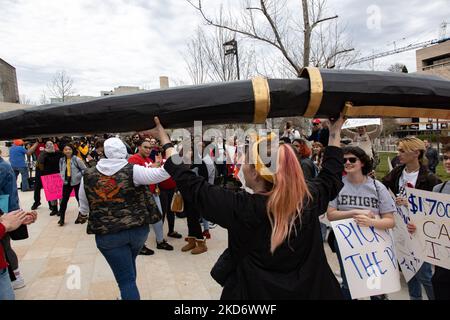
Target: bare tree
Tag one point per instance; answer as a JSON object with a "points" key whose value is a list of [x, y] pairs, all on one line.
{"points": [[43, 98], [272, 22], [398, 67], [23, 99], [206, 60], [61, 86]]}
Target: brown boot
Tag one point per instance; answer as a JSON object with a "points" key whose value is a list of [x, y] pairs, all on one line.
{"points": [[201, 247], [191, 244]]}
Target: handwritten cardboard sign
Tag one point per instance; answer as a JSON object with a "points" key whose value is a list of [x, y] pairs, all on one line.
{"points": [[53, 187], [430, 213], [368, 257]]}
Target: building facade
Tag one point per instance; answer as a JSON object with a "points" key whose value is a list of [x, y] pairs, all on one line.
{"points": [[9, 91]]}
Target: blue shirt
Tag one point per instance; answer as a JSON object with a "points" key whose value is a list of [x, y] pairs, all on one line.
{"points": [[17, 156], [8, 184]]}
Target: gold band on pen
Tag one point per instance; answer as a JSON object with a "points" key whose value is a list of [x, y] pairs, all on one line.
{"points": [[315, 91], [262, 99]]}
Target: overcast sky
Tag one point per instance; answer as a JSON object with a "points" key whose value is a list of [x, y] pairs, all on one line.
{"points": [[107, 43]]}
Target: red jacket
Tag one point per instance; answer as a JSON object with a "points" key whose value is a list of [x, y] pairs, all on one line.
{"points": [[3, 263]]}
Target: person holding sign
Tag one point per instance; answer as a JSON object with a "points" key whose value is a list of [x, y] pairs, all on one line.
{"points": [[71, 169], [275, 247], [364, 139], [441, 276], [412, 173], [363, 199], [48, 163]]}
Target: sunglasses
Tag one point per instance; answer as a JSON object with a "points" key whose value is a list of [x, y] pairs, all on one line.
{"points": [[446, 158], [315, 124], [351, 159]]}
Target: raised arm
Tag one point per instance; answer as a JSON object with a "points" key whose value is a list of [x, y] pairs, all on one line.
{"points": [[326, 186], [376, 133]]}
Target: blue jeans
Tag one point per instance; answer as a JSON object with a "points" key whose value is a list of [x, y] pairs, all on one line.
{"points": [[24, 172], [323, 231], [205, 224], [120, 251], [158, 227], [6, 290], [423, 276]]}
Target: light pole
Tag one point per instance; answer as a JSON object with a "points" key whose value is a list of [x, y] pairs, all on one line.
{"points": [[231, 47]]}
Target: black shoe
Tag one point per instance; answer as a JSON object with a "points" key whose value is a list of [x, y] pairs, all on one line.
{"points": [[35, 206], [164, 246], [54, 213], [175, 235], [146, 251], [61, 223], [81, 219]]}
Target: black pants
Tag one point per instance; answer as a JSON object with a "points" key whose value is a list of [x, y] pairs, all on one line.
{"points": [[193, 221], [37, 187], [67, 190], [441, 283], [10, 255], [166, 198]]}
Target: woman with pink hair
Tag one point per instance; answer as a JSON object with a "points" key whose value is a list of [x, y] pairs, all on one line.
{"points": [[275, 247]]}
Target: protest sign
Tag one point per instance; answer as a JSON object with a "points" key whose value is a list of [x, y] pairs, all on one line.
{"points": [[430, 213], [354, 123], [53, 185], [368, 257]]}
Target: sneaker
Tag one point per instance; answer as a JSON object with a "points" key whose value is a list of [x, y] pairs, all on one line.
{"points": [[206, 234], [175, 235], [18, 283], [35, 206], [146, 251], [164, 246]]}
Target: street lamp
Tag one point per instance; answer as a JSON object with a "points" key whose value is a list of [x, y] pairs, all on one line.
{"points": [[230, 47]]}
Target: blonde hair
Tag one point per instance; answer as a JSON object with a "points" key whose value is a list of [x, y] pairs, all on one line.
{"points": [[410, 144]]}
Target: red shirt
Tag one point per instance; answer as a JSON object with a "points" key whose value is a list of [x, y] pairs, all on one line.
{"points": [[3, 263], [39, 149], [168, 184], [144, 162]]}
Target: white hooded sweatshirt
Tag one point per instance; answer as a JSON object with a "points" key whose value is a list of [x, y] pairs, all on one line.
{"points": [[116, 158]]}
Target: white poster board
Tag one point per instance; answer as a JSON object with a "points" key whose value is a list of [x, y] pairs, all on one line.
{"points": [[354, 123], [407, 247], [368, 257], [430, 212]]}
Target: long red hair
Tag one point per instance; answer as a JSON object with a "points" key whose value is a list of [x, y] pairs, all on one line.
{"points": [[288, 196]]}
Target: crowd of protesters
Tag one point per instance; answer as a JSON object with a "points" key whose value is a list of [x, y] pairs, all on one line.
{"points": [[125, 184]]}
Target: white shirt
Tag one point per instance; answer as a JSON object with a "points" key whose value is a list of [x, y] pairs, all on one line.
{"points": [[406, 178], [141, 176]]}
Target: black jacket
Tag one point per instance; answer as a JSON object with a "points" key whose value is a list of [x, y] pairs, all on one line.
{"points": [[298, 269], [433, 158], [425, 181]]}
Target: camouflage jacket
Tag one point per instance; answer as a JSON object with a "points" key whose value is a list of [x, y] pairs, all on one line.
{"points": [[116, 204]]}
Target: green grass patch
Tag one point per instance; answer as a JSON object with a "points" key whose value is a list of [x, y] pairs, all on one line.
{"points": [[383, 167]]}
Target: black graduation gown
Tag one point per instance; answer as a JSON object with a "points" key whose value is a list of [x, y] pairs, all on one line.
{"points": [[298, 269]]}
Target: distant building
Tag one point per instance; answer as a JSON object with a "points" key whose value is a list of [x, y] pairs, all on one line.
{"points": [[76, 98], [9, 91], [121, 90], [434, 60]]}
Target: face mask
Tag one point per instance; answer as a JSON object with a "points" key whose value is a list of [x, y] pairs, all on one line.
{"points": [[242, 179]]}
